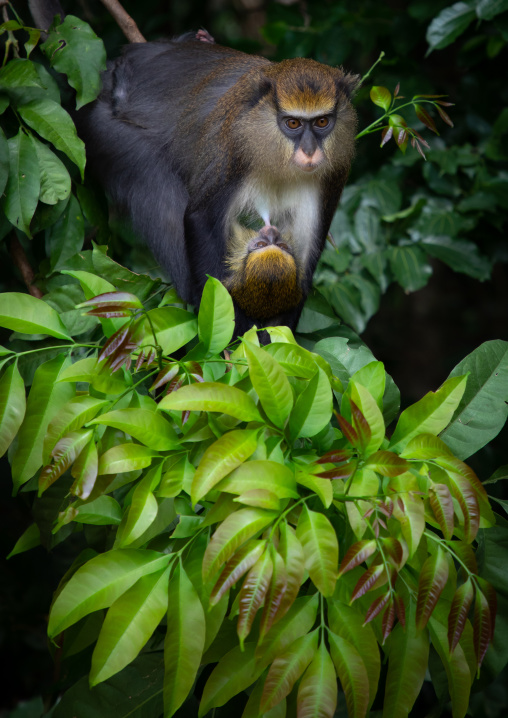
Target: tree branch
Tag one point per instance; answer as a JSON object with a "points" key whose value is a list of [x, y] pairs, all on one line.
{"points": [[21, 261], [124, 21]]}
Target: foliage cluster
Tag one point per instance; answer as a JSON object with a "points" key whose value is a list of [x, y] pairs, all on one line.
{"points": [[223, 491]]}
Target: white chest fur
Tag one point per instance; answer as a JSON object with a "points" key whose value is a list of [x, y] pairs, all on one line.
{"points": [[292, 208]]}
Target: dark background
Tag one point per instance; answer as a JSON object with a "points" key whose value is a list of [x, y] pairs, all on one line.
{"points": [[420, 337]]}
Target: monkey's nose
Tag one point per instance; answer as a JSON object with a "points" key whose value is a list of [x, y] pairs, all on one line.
{"points": [[271, 234]]}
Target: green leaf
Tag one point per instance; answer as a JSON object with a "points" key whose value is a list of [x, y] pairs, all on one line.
{"points": [[54, 124], [12, 406], [449, 24], [459, 611], [429, 415], [184, 642], [212, 396], [347, 623], [270, 384], [410, 267], [456, 667], [322, 487], [261, 474], [298, 621], [482, 411], [219, 459], [19, 73], [317, 693], [55, 181], [73, 415], [173, 327], [408, 653], [237, 670], [216, 317], [23, 185], [381, 97], [370, 410], [103, 511], [128, 625], [65, 453], [29, 315], [252, 594], [320, 548], [74, 49], [295, 360], [100, 582], [488, 9], [4, 161], [459, 254], [144, 425], [141, 514], [235, 530], [287, 669], [45, 400], [313, 408], [30, 538], [352, 674], [372, 376], [135, 692], [125, 457], [65, 237], [387, 463]]}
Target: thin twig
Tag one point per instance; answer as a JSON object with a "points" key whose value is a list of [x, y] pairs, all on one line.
{"points": [[124, 21], [21, 261]]}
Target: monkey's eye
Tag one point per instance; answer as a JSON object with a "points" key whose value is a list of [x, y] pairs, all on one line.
{"points": [[293, 123], [322, 122], [260, 244]]}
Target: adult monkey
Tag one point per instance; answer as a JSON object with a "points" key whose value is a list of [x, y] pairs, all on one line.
{"points": [[227, 164]]}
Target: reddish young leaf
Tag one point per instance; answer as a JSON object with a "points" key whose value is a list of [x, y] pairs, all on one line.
{"points": [[335, 457], [348, 431], [357, 554], [444, 115], [291, 551], [165, 376], [387, 463], [466, 555], [459, 610], [482, 627], [433, 578], [490, 594], [361, 426], [139, 361], [468, 501], [400, 609], [317, 693], [106, 313], [386, 135], [175, 384], [274, 595], [367, 581], [388, 620], [116, 300], [442, 506], [235, 568], [397, 88], [377, 606], [353, 674], [386, 508], [339, 472], [115, 341], [424, 117], [252, 594], [393, 548], [287, 669], [65, 453]]}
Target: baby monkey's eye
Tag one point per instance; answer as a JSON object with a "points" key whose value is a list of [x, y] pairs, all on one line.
{"points": [[322, 122], [293, 123]]}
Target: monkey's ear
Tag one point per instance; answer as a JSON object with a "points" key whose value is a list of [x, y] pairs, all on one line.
{"points": [[348, 84], [262, 86]]}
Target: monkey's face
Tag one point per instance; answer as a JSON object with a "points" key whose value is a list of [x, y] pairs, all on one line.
{"points": [[267, 281], [304, 123]]}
